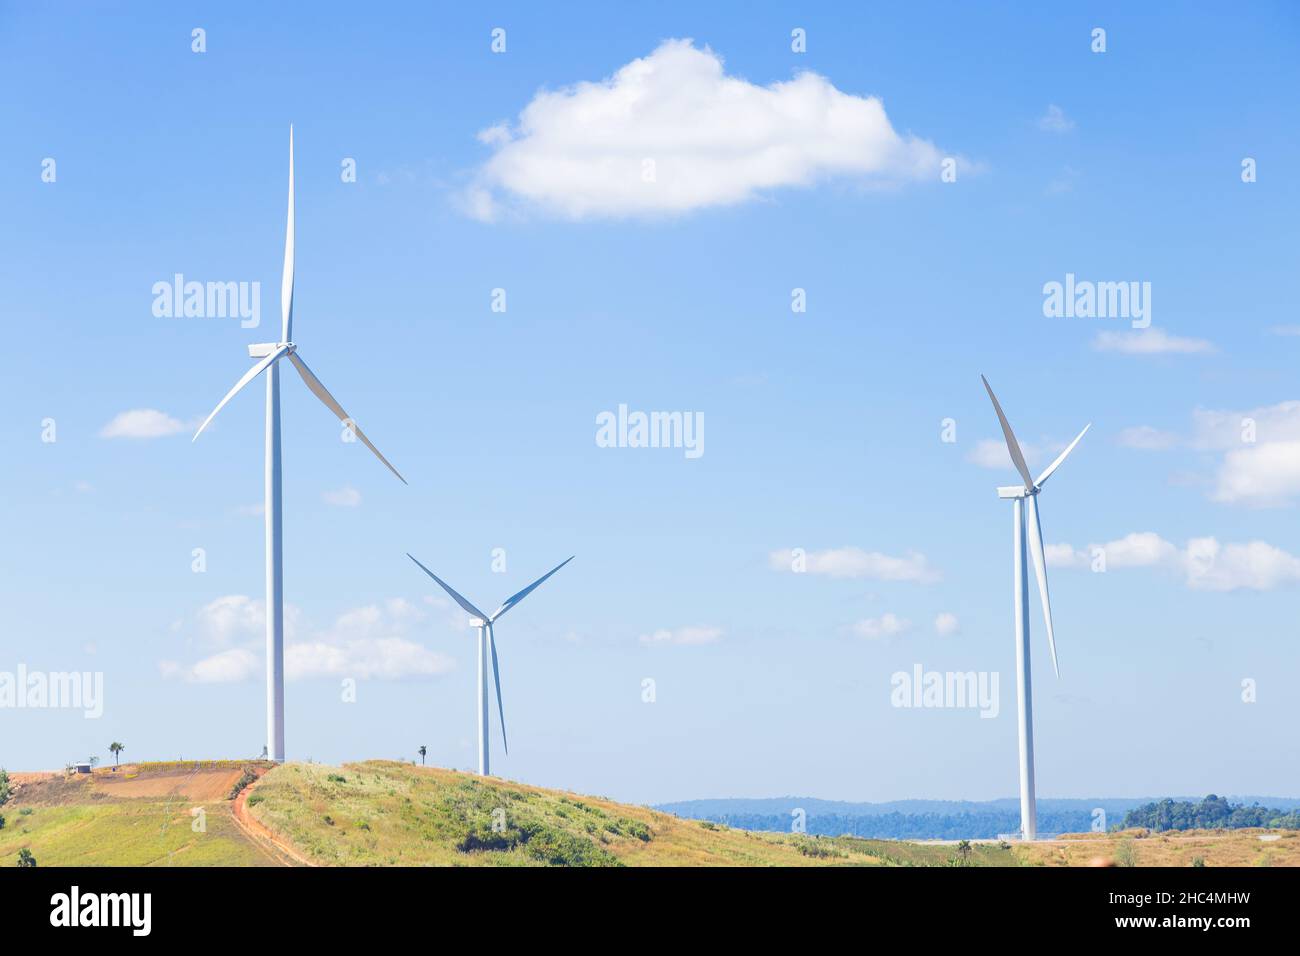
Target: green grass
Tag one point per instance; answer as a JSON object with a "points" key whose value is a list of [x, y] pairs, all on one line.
{"points": [[127, 833]]}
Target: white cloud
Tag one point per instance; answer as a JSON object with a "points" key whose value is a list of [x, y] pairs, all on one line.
{"points": [[1147, 438], [231, 618], [694, 634], [714, 140], [388, 658], [852, 562], [1055, 120], [142, 423], [366, 643], [1204, 564], [887, 625], [1255, 565], [946, 624], [1262, 476], [1140, 549], [345, 497], [1064, 556], [1225, 430], [235, 664], [1152, 341]]}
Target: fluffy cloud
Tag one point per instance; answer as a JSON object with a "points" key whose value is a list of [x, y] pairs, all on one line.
{"points": [[1260, 466], [851, 562], [1152, 341], [946, 624], [1204, 564], [365, 643], [1215, 430], [1261, 462], [696, 634], [142, 423], [1261, 476], [887, 625], [713, 139]]}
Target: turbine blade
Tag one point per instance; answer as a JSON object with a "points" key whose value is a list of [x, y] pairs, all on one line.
{"points": [[320, 392], [286, 278], [1040, 569], [251, 374], [1047, 472], [470, 608], [1013, 446], [496, 676], [516, 598]]}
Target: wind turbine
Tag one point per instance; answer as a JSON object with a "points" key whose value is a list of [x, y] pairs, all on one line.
{"points": [[270, 355], [1026, 502], [486, 640]]}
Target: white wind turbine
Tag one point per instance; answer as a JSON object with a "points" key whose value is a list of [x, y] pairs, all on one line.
{"points": [[486, 640], [1026, 499], [270, 355]]}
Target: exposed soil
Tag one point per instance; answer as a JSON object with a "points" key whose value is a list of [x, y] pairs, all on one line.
{"points": [[259, 833]]}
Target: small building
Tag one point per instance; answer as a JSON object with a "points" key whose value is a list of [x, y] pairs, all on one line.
{"points": [[82, 767]]}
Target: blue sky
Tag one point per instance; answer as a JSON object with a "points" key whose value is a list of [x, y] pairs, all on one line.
{"points": [[822, 428]]}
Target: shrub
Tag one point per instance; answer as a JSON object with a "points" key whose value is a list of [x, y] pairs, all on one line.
{"points": [[1126, 854], [637, 829], [245, 778], [816, 849], [337, 778], [25, 857], [254, 799]]}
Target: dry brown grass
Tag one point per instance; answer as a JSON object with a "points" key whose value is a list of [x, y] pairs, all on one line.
{"points": [[1212, 847]]}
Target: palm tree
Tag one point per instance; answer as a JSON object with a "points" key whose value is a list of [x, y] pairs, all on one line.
{"points": [[117, 749], [422, 752]]}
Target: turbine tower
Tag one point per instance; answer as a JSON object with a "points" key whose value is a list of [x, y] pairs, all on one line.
{"points": [[483, 622], [269, 355], [1026, 527]]}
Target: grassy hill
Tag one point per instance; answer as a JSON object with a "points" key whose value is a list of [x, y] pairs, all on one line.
{"points": [[385, 813], [388, 813]]}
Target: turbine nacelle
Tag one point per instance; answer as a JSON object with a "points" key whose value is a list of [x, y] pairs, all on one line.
{"points": [[263, 349], [1016, 491]]}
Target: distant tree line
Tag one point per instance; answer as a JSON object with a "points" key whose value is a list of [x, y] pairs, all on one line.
{"points": [[1212, 813], [913, 826]]}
